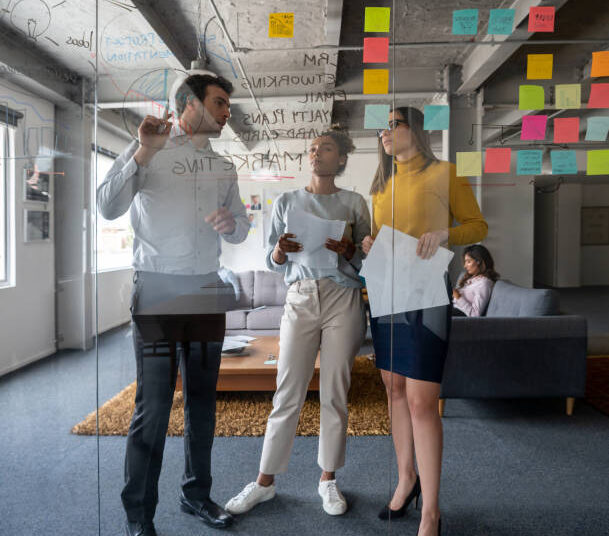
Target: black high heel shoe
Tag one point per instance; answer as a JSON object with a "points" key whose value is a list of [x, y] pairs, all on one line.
{"points": [[415, 493], [440, 527]]}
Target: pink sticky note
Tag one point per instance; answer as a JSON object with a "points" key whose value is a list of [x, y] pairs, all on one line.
{"points": [[534, 127], [541, 19], [376, 49], [566, 130], [497, 160], [599, 96]]}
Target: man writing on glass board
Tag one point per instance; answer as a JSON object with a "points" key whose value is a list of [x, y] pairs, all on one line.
{"points": [[183, 199]]}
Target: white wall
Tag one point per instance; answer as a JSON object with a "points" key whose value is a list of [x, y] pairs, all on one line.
{"points": [[27, 311], [595, 259]]}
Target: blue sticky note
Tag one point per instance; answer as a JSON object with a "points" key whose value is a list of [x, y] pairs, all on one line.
{"points": [[465, 22], [437, 117], [598, 126], [563, 163], [529, 162], [501, 21], [376, 116]]}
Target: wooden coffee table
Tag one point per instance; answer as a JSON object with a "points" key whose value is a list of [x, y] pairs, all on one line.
{"points": [[249, 373]]}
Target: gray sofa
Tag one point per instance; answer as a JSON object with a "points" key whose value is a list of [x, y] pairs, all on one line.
{"points": [[522, 348]]}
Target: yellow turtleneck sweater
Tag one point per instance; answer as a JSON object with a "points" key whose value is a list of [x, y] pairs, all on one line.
{"points": [[430, 200]]}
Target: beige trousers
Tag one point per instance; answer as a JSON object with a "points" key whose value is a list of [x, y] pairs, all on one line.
{"points": [[319, 315]]}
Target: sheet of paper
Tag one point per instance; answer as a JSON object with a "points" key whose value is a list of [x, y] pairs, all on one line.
{"points": [[312, 232], [541, 18], [539, 66], [497, 160], [376, 49], [534, 127], [529, 162], [242, 338], [598, 162], [376, 81], [563, 162], [568, 96], [531, 98], [566, 130], [377, 19], [416, 284], [469, 164], [600, 64], [376, 116], [465, 22], [281, 25], [599, 96], [436, 117], [598, 127], [232, 344], [501, 21]]}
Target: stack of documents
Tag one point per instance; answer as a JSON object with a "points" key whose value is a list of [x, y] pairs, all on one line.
{"points": [[236, 343], [398, 280]]}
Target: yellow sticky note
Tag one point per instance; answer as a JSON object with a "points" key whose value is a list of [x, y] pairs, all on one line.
{"points": [[469, 164], [598, 162], [600, 64], [539, 66], [377, 19], [568, 96], [281, 24], [376, 81]]}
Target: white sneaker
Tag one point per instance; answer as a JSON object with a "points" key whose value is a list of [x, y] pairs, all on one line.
{"points": [[251, 495], [334, 501]]}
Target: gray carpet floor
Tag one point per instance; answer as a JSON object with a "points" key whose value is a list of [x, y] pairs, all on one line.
{"points": [[510, 467]]}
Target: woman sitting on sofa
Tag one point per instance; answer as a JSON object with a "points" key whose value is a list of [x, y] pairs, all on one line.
{"points": [[473, 291]]}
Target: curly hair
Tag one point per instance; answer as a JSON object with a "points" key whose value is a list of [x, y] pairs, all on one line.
{"points": [[343, 141]]}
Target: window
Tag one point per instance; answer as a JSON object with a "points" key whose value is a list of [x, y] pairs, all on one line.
{"points": [[114, 238], [7, 227]]}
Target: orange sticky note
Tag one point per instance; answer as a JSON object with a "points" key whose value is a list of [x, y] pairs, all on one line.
{"points": [[376, 81], [376, 49], [541, 19], [497, 160], [566, 130], [599, 96], [281, 25], [600, 63], [539, 66]]}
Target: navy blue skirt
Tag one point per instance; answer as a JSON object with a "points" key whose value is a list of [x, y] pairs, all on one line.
{"points": [[420, 341]]}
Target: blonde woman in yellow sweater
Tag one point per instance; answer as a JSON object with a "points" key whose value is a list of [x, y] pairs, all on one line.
{"points": [[425, 201]]}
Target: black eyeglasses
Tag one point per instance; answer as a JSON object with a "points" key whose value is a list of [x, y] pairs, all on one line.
{"points": [[393, 124]]}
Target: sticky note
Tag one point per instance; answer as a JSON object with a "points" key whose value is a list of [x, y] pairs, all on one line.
{"points": [[563, 162], [497, 160], [568, 95], [376, 81], [377, 19], [270, 362], [281, 24], [534, 127], [539, 66], [600, 63], [436, 117], [376, 116], [376, 49], [531, 98], [599, 96], [501, 21], [598, 127], [598, 162], [541, 18], [465, 22], [566, 130], [469, 164], [529, 162]]}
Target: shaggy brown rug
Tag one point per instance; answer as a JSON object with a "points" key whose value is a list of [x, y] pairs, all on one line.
{"points": [[597, 382], [245, 413]]}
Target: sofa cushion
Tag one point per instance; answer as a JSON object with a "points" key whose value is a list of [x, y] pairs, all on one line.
{"points": [[236, 319], [246, 287], [267, 318], [269, 288], [508, 299]]}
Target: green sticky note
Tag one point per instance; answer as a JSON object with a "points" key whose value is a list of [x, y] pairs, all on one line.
{"points": [[465, 22], [529, 162], [598, 162], [531, 98], [377, 19], [501, 21], [469, 164], [563, 162], [568, 96], [598, 127], [437, 117], [376, 116]]}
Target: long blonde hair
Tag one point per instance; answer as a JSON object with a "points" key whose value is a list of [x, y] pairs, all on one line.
{"points": [[415, 120]]}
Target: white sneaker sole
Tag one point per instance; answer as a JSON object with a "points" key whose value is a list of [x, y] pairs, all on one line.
{"points": [[241, 511]]}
